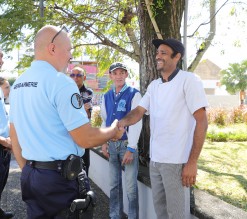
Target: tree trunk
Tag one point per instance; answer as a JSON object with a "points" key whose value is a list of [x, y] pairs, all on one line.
{"points": [[242, 97], [169, 22], [207, 42]]}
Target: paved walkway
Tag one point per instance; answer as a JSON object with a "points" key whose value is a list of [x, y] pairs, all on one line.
{"points": [[11, 197]]}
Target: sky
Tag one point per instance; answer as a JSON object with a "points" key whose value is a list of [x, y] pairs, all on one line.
{"points": [[229, 31]]}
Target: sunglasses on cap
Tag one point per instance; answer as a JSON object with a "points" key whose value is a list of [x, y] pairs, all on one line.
{"points": [[76, 75]]}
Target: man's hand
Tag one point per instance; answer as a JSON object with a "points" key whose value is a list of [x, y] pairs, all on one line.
{"points": [[6, 142], [119, 131], [87, 106], [128, 158], [121, 124], [189, 174], [104, 149]]}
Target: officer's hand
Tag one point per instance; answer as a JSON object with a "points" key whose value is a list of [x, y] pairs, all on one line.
{"points": [[104, 149], [6, 142], [128, 158]]}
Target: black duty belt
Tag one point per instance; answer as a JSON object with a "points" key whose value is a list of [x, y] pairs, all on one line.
{"points": [[46, 165], [69, 168]]}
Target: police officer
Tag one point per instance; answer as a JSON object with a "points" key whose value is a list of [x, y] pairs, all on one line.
{"points": [[79, 76], [48, 123], [5, 143]]}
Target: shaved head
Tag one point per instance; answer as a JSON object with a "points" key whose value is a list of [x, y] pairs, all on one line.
{"points": [[52, 44], [44, 36]]}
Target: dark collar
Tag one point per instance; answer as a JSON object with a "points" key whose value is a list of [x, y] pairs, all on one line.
{"points": [[171, 76], [82, 88]]}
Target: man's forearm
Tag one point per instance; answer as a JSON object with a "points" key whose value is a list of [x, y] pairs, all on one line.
{"points": [[16, 148], [132, 117], [87, 136], [198, 140], [20, 160]]}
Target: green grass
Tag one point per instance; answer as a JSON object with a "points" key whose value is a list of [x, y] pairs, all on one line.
{"points": [[222, 171], [233, 132]]}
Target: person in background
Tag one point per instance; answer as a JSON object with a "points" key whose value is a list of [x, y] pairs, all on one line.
{"points": [[79, 76], [176, 104], [49, 129], [5, 142], [5, 86], [122, 154]]}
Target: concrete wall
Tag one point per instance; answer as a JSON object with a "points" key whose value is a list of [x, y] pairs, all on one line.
{"points": [[99, 173], [227, 101]]}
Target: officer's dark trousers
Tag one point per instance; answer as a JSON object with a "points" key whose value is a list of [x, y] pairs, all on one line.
{"points": [[4, 168], [46, 192]]}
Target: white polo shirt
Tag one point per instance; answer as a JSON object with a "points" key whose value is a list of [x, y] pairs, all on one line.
{"points": [[45, 106], [171, 106]]}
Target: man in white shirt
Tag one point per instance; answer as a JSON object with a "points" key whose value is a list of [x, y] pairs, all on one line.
{"points": [[176, 103]]}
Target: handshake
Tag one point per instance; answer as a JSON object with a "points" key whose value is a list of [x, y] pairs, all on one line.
{"points": [[118, 129]]}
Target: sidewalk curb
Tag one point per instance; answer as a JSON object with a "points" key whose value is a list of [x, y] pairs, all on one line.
{"points": [[211, 207]]}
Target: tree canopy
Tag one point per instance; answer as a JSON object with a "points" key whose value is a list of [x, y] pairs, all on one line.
{"points": [[235, 77], [107, 30], [109, 27]]}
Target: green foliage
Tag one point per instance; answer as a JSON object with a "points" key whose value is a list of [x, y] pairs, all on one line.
{"points": [[235, 77], [227, 124], [233, 11], [226, 137], [11, 81], [217, 136], [235, 132], [89, 23]]}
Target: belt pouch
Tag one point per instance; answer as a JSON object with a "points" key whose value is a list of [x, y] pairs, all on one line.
{"points": [[72, 167]]}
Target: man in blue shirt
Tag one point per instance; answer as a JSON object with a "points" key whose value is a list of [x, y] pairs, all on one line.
{"points": [[122, 154], [5, 142], [48, 123]]}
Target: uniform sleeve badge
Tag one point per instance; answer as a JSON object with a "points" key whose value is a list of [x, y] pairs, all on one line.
{"points": [[76, 101]]}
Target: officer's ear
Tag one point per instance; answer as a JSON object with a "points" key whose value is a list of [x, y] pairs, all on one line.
{"points": [[51, 48]]}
